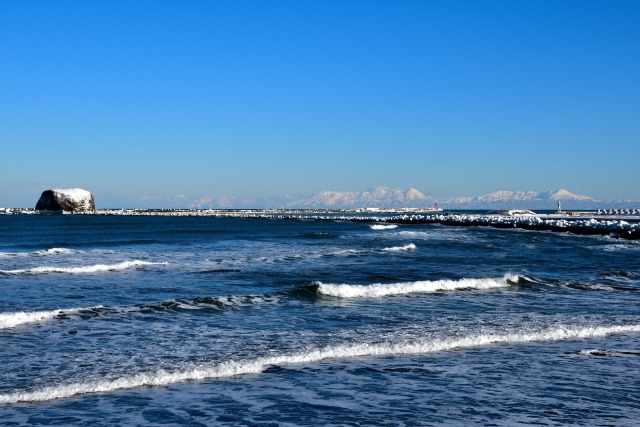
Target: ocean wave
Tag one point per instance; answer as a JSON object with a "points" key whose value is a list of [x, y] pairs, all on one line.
{"points": [[381, 290], [631, 246], [383, 226], [348, 252], [599, 352], [82, 269], [233, 368], [11, 320], [44, 252], [446, 235], [230, 301], [409, 247], [201, 303]]}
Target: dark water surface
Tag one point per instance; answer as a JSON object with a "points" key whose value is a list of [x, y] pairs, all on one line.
{"points": [[205, 321]]}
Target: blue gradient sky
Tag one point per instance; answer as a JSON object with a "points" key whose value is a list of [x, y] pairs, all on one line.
{"points": [[164, 102]]}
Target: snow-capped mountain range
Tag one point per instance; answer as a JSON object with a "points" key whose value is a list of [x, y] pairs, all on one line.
{"points": [[385, 197], [378, 197]]}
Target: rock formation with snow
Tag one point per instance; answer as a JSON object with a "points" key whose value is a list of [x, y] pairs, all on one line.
{"points": [[67, 200]]}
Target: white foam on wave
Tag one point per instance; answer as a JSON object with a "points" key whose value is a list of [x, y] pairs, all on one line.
{"points": [[383, 226], [232, 368], [409, 247], [82, 269], [11, 320], [348, 252], [632, 246], [54, 251], [230, 301], [439, 234], [386, 289], [44, 252]]}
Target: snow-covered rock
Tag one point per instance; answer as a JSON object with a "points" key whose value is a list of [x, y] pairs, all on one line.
{"points": [[66, 199]]}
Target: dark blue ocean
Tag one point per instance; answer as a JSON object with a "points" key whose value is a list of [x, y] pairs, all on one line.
{"points": [[267, 322]]}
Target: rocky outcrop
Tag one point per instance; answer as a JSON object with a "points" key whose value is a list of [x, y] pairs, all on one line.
{"points": [[67, 199]]}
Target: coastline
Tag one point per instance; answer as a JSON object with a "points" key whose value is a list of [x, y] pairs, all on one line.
{"points": [[585, 223]]}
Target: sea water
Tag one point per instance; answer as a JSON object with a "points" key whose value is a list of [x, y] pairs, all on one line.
{"points": [[248, 321]]}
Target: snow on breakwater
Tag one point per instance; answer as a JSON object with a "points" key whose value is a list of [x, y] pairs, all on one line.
{"points": [[615, 227], [232, 368], [82, 269], [426, 286]]}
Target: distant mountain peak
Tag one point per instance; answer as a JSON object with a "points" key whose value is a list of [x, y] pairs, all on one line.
{"points": [[562, 194], [387, 197], [378, 197], [519, 199], [415, 194]]}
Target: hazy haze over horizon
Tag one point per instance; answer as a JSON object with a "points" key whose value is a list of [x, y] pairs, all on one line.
{"points": [[174, 103]]}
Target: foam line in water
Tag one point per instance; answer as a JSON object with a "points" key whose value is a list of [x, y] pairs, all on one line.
{"points": [[82, 269], [409, 247], [382, 290], [11, 320], [233, 368], [383, 226], [44, 252]]}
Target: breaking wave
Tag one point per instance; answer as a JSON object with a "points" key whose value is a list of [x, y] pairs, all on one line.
{"points": [[203, 303], [409, 247], [82, 269], [382, 290], [383, 226], [349, 252], [11, 320], [44, 252], [599, 352], [232, 368]]}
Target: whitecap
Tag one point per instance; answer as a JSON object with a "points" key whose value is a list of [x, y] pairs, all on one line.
{"points": [[383, 226], [425, 286], [232, 368], [409, 247], [82, 269], [43, 252], [53, 251], [348, 252], [604, 352], [11, 320]]}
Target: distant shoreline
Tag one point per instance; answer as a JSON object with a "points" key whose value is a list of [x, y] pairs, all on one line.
{"points": [[576, 222]]}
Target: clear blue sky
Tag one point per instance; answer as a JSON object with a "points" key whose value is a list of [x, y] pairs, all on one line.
{"points": [[164, 102]]}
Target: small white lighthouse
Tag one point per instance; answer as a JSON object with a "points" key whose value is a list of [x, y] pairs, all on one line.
{"points": [[559, 207]]}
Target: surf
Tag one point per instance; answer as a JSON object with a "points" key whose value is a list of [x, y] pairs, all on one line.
{"points": [[234, 368], [96, 268], [378, 290]]}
